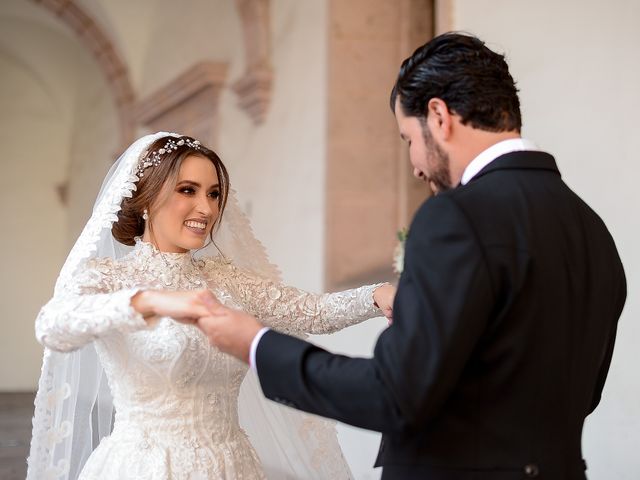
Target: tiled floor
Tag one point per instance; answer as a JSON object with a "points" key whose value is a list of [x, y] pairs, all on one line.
{"points": [[16, 410]]}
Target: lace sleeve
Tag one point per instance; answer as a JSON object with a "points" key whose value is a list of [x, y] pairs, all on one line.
{"points": [[93, 307], [291, 310]]}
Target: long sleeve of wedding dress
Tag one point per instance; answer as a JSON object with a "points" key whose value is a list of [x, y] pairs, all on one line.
{"points": [[89, 310], [291, 310]]}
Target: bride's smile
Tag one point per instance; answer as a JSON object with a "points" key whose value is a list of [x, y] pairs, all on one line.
{"points": [[184, 215]]}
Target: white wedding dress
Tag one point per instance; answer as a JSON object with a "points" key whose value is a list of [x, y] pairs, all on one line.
{"points": [[175, 396]]}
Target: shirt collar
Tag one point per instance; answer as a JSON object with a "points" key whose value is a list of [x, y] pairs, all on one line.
{"points": [[494, 151]]}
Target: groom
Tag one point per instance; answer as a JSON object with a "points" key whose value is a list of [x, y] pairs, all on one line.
{"points": [[506, 312]]}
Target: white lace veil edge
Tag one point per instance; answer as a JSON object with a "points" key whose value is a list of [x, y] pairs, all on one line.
{"points": [[73, 405]]}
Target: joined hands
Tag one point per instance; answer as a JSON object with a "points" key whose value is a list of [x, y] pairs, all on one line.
{"points": [[230, 330]]}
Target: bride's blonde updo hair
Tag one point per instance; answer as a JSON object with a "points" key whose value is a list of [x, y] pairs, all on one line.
{"points": [[162, 167]]}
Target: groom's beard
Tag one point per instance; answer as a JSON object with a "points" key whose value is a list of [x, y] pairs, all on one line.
{"points": [[439, 177]]}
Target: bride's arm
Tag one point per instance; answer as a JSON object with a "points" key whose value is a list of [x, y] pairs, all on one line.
{"points": [[96, 304], [90, 309], [292, 310]]}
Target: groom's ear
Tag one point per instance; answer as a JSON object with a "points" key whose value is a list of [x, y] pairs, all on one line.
{"points": [[439, 118]]}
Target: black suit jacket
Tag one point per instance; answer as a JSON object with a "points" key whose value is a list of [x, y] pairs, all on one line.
{"points": [[504, 326]]}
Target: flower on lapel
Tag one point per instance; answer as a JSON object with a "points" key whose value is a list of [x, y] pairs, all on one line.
{"points": [[398, 252]]}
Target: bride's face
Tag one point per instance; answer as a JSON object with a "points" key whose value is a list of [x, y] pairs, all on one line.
{"points": [[184, 216]]}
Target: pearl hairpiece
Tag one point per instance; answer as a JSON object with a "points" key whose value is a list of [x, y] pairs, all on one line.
{"points": [[154, 158]]}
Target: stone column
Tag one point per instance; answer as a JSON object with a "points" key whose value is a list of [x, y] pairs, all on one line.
{"points": [[370, 193]]}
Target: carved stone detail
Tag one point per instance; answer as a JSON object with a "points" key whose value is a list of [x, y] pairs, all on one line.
{"points": [[188, 104], [93, 36], [254, 88]]}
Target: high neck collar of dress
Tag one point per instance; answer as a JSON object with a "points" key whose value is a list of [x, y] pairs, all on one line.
{"points": [[148, 252]]}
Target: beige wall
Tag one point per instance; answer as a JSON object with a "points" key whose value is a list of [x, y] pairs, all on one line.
{"points": [[35, 132], [58, 128], [278, 168], [576, 65], [31, 220], [177, 37], [94, 145]]}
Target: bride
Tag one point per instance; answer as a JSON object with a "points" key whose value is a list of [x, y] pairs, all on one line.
{"points": [[165, 234]]}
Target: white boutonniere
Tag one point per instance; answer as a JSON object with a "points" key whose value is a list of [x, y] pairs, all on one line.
{"points": [[398, 252]]}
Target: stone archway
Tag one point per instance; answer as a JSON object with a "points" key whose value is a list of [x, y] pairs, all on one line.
{"points": [[92, 36]]}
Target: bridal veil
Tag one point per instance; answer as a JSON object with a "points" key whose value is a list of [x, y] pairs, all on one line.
{"points": [[73, 405]]}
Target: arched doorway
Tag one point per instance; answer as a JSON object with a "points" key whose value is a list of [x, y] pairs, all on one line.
{"points": [[57, 129]]}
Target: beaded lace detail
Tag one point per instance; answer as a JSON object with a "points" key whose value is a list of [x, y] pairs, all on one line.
{"points": [[176, 397]]}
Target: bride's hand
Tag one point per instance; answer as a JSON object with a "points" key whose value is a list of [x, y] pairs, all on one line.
{"points": [[183, 306], [383, 297]]}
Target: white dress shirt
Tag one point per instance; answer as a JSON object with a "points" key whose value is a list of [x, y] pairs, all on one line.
{"points": [[477, 164], [254, 347], [494, 151]]}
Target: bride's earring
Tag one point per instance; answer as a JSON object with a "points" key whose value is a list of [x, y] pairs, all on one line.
{"points": [[145, 215]]}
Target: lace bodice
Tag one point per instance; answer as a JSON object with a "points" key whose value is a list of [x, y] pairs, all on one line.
{"points": [[175, 395]]}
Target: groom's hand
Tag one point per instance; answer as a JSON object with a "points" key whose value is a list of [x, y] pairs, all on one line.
{"points": [[383, 297], [232, 331]]}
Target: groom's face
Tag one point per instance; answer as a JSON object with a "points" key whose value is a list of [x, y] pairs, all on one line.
{"points": [[430, 162]]}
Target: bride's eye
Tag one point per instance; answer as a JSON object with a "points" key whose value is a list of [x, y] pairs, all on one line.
{"points": [[187, 190], [214, 194]]}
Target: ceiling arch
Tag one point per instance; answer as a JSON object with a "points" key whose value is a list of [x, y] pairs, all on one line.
{"points": [[103, 49]]}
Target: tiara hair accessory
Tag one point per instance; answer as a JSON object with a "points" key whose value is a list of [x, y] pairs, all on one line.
{"points": [[154, 158]]}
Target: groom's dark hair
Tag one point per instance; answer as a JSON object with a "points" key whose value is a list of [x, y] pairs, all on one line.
{"points": [[472, 80]]}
